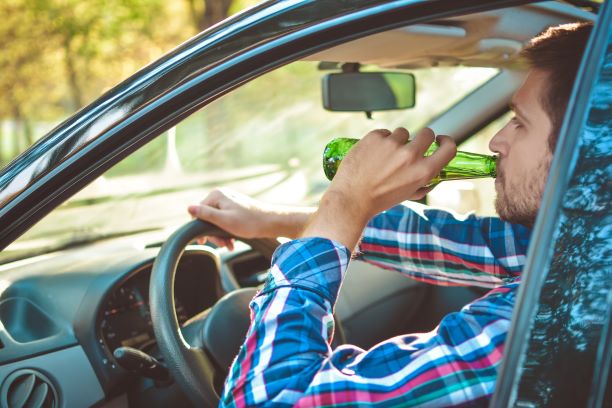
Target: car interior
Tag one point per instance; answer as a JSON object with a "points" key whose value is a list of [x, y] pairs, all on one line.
{"points": [[70, 296]]}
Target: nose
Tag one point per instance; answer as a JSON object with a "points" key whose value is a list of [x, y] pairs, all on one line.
{"points": [[497, 143]]}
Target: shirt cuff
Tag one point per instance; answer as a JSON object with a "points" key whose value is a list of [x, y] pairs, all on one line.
{"points": [[315, 264]]}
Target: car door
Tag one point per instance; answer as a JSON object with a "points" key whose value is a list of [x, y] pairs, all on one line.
{"points": [[558, 352]]}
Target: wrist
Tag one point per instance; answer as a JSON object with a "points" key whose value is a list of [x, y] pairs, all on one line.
{"points": [[346, 206], [339, 219], [287, 222]]}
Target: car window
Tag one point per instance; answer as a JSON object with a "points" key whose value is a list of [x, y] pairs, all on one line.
{"points": [[264, 139]]}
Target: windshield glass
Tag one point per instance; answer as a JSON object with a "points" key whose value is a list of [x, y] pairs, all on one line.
{"points": [[264, 139]]}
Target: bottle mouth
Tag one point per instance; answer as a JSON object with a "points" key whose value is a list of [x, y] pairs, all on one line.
{"points": [[494, 160]]}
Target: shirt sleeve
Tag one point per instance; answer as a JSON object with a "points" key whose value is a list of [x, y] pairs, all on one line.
{"points": [[286, 359], [439, 247]]}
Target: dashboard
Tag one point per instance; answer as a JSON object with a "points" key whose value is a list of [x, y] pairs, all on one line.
{"points": [[62, 315]]}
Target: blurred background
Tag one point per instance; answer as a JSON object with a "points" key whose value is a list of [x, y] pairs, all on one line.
{"points": [[59, 55], [264, 139]]}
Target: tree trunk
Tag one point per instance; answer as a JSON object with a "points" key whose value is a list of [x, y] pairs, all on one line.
{"points": [[215, 11], [20, 145], [28, 132], [194, 13], [73, 81]]}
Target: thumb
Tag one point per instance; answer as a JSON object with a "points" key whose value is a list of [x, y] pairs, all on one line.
{"points": [[204, 212]]}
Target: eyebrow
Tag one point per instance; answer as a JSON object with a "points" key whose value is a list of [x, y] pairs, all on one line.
{"points": [[514, 108]]}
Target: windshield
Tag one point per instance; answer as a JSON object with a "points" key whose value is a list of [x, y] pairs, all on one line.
{"points": [[264, 139]]}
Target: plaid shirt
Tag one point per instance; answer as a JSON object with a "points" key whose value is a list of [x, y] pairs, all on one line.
{"points": [[287, 360]]}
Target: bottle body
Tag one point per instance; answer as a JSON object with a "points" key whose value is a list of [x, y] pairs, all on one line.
{"points": [[464, 165]]}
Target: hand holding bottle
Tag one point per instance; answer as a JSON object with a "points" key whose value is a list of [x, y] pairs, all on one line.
{"points": [[379, 172]]}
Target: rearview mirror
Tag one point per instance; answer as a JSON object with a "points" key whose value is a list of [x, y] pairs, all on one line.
{"points": [[368, 91]]}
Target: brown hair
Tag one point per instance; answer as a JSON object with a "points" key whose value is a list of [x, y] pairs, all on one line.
{"points": [[558, 51]]}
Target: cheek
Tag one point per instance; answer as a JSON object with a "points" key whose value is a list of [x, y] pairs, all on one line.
{"points": [[528, 153]]}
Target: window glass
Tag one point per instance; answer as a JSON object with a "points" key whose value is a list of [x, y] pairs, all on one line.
{"points": [[265, 139]]}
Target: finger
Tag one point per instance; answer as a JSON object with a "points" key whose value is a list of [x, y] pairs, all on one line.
{"points": [[400, 135], [210, 200], [447, 149], [422, 141], [214, 197], [217, 241], [420, 193], [223, 242], [204, 212], [202, 240], [380, 132]]}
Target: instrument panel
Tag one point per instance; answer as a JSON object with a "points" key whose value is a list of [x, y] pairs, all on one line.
{"points": [[124, 318]]}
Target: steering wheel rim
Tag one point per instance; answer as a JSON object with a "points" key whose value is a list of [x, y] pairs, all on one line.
{"points": [[190, 366]]}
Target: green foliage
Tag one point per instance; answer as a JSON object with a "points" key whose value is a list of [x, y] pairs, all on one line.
{"points": [[59, 55]]}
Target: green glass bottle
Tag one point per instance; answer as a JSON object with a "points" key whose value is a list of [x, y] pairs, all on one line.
{"points": [[463, 166]]}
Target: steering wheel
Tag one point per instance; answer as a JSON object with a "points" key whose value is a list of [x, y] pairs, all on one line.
{"points": [[214, 336]]}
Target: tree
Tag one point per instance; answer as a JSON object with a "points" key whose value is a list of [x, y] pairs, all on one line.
{"points": [[205, 13], [25, 63], [57, 55]]}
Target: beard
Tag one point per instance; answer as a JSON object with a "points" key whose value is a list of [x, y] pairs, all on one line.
{"points": [[518, 199]]}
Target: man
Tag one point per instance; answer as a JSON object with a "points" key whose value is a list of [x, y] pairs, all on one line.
{"points": [[286, 359]]}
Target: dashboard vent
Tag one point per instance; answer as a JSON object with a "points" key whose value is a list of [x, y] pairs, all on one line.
{"points": [[28, 388]]}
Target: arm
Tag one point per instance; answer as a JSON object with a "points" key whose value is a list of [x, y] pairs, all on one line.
{"points": [[245, 217], [432, 245], [424, 243], [361, 174], [440, 247], [286, 359]]}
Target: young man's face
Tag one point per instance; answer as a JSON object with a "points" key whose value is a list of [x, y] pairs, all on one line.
{"points": [[524, 154]]}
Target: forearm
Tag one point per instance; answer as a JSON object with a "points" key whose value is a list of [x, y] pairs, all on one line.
{"points": [[291, 327], [284, 349], [439, 247], [286, 221]]}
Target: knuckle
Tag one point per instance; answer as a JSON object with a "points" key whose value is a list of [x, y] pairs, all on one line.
{"points": [[212, 195], [379, 133], [220, 192], [402, 131], [409, 155], [448, 142], [427, 132], [425, 174]]}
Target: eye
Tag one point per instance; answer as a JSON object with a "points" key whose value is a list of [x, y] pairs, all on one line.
{"points": [[516, 123]]}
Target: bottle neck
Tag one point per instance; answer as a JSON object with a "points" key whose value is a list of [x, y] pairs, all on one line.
{"points": [[467, 165]]}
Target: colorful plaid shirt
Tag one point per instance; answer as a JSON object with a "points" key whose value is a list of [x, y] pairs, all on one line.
{"points": [[287, 360]]}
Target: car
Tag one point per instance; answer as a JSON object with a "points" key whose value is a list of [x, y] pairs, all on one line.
{"points": [[101, 306]]}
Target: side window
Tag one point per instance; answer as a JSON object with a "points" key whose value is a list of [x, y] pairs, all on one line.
{"points": [[267, 137], [476, 195], [264, 139]]}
